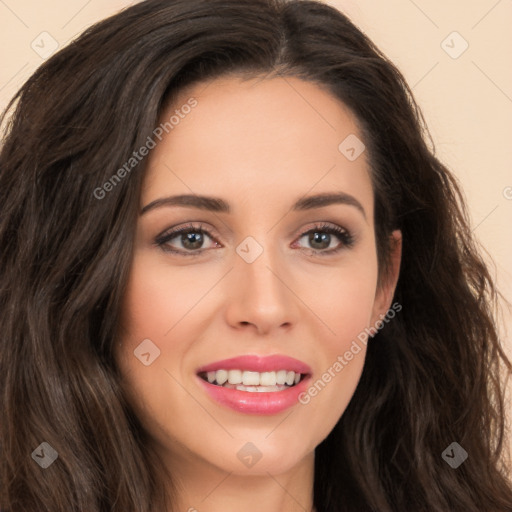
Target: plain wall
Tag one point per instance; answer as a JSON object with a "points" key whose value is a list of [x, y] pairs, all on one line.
{"points": [[466, 97]]}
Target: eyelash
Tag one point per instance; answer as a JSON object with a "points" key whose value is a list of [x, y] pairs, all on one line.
{"points": [[344, 236]]}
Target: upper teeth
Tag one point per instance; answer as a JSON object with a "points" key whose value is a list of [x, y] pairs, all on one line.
{"points": [[248, 378]]}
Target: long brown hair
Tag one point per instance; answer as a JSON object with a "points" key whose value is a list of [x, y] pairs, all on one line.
{"points": [[433, 376]]}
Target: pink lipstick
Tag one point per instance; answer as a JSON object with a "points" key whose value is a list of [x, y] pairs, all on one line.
{"points": [[255, 384]]}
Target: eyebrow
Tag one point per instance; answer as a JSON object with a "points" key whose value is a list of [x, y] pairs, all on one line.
{"points": [[216, 204]]}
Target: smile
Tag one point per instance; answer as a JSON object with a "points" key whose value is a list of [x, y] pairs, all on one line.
{"points": [[255, 384], [245, 380]]}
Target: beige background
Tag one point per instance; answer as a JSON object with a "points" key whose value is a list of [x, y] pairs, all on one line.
{"points": [[466, 97]]}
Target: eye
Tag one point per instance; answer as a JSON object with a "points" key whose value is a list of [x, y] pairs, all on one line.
{"points": [[190, 240], [187, 240], [327, 236]]}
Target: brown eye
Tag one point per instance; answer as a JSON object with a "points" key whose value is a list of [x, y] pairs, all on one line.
{"points": [[187, 240], [327, 239]]}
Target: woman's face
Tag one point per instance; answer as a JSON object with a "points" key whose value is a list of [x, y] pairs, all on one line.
{"points": [[268, 271]]}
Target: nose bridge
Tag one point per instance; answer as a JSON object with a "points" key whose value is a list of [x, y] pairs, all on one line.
{"points": [[259, 269], [259, 293]]}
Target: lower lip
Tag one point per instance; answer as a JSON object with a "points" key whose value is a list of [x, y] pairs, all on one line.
{"points": [[263, 403]]}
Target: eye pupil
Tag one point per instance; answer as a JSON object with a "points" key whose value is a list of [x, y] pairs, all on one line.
{"points": [[324, 239], [195, 238]]}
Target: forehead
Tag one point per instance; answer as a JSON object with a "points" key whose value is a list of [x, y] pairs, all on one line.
{"points": [[258, 138]]}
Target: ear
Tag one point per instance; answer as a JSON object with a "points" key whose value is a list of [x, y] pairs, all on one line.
{"points": [[387, 283]]}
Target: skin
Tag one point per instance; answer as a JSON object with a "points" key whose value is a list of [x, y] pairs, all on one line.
{"points": [[260, 145]]}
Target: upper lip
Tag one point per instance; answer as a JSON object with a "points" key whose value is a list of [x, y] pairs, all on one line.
{"points": [[255, 363]]}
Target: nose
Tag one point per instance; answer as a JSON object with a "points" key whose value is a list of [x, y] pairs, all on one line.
{"points": [[261, 297]]}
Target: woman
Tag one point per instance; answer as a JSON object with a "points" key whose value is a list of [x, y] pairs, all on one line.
{"points": [[234, 276]]}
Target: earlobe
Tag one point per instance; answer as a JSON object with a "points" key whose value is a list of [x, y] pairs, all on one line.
{"points": [[388, 282]]}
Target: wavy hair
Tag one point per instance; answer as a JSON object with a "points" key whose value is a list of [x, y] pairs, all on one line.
{"points": [[434, 375]]}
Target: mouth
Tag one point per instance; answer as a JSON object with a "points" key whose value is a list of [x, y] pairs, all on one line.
{"points": [[255, 384]]}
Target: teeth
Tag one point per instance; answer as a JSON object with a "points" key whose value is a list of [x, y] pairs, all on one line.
{"points": [[221, 376], [253, 381], [281, 377], [255, 389], [235, 377], [251, 378], [268, 379]]}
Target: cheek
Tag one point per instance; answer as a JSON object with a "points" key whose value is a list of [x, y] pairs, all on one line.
{"points": [[160, 298], [343, 300], [345, 304], [151, 308]]}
